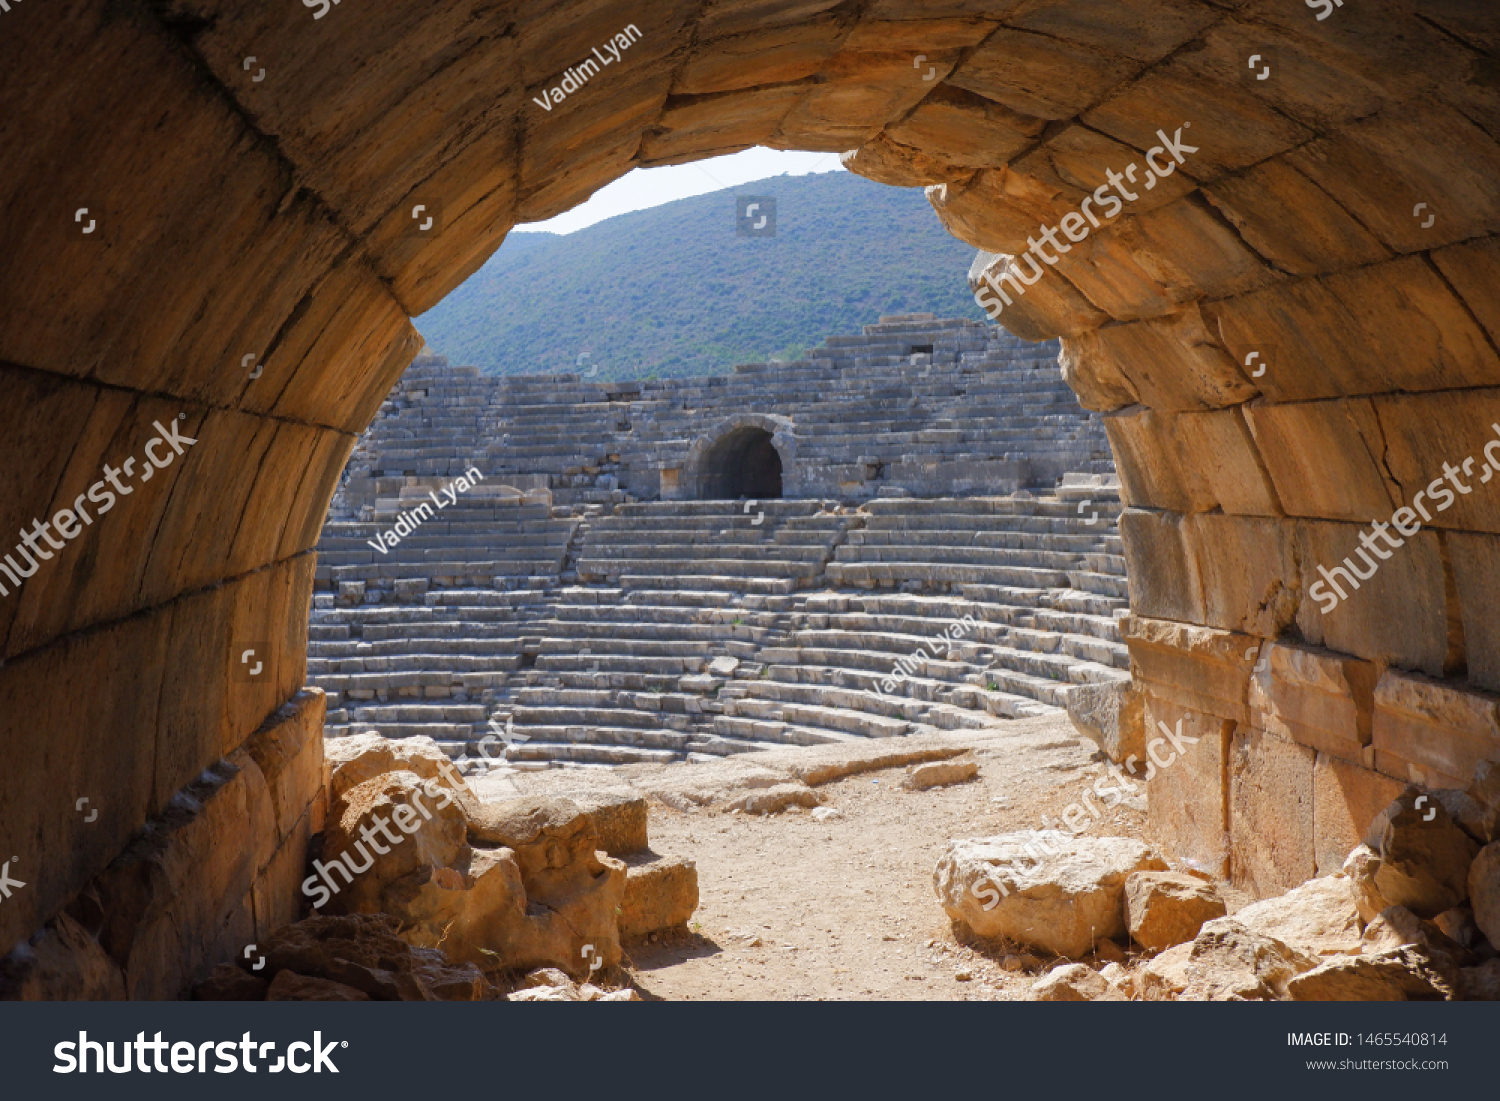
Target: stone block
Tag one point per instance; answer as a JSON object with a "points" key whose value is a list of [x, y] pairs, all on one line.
{"points": [[1397, 615], [620, 817], [1292, 222], [1433, 733], [1112, 714], [1247, 572], [1270, 813], [1069, 898], [935, 774], [1199, 668], [1346, 799], [1093, 376], [1319, 917], [288, 749], [1317, 698], [1164, 582], [1322, 458], [1476, 575], [1155, 470], [1165, 908], [1413, 855], [410, 590], [661, 892], [1175, 363], [1225, 459], [1188, 799]]}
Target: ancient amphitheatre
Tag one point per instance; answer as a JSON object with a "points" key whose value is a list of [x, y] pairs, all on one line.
{"points": [[1286, 341]]}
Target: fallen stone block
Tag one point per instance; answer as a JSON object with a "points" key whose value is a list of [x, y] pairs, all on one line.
{"points": [[935, 774], [1111, 714], [1073, 982], [354, 759], [1484, 891], [1043, 887], [1228, 962], [1164, 977], [1165, 908], [620, 820], [531, 890], [1420, 859], [775, 799], [661, 892], [1443, 958], [1396, 975], [1318, 918]]}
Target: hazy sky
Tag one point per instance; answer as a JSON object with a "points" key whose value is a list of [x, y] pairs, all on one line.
{"points": [[647, 187]]}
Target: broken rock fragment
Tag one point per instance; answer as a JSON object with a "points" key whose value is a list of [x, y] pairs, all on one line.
{"points": [[1165, 908], [1042, 888]]}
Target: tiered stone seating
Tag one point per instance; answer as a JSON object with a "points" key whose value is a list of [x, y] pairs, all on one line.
{"points": [[913, 404], [479, 540], [430, 668], [621, 667], [596, 630]]}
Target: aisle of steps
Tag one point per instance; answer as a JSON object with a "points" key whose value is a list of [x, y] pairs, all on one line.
{"points": [[625, 666], [417, 640]]}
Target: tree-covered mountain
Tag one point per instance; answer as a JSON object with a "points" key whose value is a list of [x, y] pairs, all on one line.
{"points": [[676, 290]]}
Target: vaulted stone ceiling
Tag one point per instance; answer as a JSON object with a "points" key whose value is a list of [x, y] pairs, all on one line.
{"points": [[249, 259]]}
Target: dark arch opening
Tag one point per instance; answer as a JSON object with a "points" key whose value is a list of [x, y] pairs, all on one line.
{"points": [[744, 463]]}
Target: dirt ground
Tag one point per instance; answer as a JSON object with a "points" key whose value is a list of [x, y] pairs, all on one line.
{"points": [[796, 909]]}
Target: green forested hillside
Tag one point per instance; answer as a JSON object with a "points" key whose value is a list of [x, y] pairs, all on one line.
{"points": [[675, 291]]}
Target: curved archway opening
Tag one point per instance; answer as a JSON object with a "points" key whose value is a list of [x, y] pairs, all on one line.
{"points": [[743, 463]]}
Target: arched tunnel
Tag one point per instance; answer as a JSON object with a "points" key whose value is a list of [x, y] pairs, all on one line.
{"points": [[220, 216]]}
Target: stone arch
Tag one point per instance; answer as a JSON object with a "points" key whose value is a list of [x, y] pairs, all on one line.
{"points": [[714, 457], [239, 259]]}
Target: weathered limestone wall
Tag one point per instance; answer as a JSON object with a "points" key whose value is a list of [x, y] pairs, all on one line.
{"points": [[214, 872], [238, 223]]}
